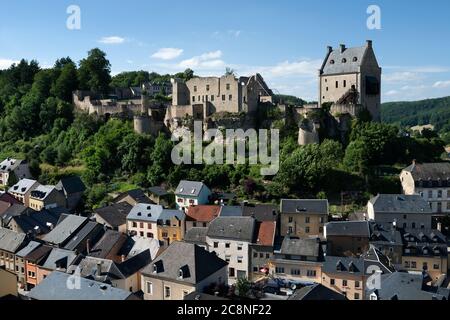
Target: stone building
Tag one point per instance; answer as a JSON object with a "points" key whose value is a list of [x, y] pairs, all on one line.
{"points": [[350, 79]]}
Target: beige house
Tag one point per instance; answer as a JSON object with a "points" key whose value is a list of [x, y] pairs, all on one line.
{"points": [[46, 197], [143, 220], [180, 270], [22, 190], [8, 282], [10, 243], [350, 79], [346, 238], [303, 217], [431, 181]]}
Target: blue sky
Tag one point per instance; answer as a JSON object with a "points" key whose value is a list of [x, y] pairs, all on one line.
{"points": [[283, 40]]}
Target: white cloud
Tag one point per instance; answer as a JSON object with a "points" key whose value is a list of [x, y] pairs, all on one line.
{"points": [[235, 33], [112, 40], [167, 53], [401, 76], [6, 63], [130, 61], [391, 93], [441, 84], [300, 68], [207, 60]]}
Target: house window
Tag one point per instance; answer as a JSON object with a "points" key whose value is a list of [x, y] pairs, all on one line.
{"points": [[322, 219], [430, 194], [261, 255], [141, 225], [165, 234], [223, 97], [134, 224], [240, 259], [291, 219], [207, 87], [149, 225], [344, 283], [194, 224], [311, 273], [227, 245], [230, 97], [267, 255], [204, 224], [227, 258], [239, 247], [279, 270], [337, 84], [149, 287], [141, 233], [356, 296], [193, 98], [413, 225], [228, 86], [231, 272], [439, 193], [290, 230], [345, 83], [326, 88], [413, 264], [435, 266], [195, 88], [356, 284], [180, 200], [307, 219], [295, 272], [307, 230], [255, 269], [255, 254], [425, 266], [216, 244], [212, 97], [167, 292], [332, 281]]}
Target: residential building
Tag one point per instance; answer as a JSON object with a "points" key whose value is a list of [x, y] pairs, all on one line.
{"points": [[262, 248], [201, 215], [36, 224], [108, 247], [298, 259], [21, 268], [57, 260], [303, 217], [181, 269], [230, 211], [231, 239], [67, 228], [73, 189], [405, 211], [46, 197], [153, 88], [12, 211], [12, 170], [6, 201], [8, 285], [197, 235], [425, 251], [261, 212], [32, 260], [55, 287], [389, 241], [10, 243], [406, 286], [137, 245], [350, 275], [143, 220], [191, 193], [89, 234], [316, 292], [350, 79], [431, 181], [170, 226], [159, 195], [347, 238], [133, 197], [114, 216], [22, 190]]}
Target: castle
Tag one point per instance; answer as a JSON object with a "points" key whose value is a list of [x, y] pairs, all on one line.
{"points": [[349, 83]]}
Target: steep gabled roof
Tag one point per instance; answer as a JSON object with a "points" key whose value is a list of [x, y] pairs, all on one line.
{"points": [[115, 214], [71, 185], [232, 228], [304, 206], [189, 188], [65, 229], [202, 213], [11, 241], [399, 203]]}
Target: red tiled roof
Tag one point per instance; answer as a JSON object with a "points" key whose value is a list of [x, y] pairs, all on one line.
{"points": [[203, 213], [266, 233]]}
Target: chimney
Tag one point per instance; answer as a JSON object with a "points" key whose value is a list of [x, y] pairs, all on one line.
{"points": [[99, 269], [342, 48], [123, 258], [439, 226], [88, 246], [329, 49], [369, 43]]}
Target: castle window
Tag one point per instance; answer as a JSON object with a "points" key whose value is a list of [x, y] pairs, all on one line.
{"points": [[345, 83], [332, 62], [212, 97], [195, 88], [193, 98], [327, 88], [228, 86], [337, 84], [223, 97], [230, 97], [355, 59], [344, 60], [207, 87]]}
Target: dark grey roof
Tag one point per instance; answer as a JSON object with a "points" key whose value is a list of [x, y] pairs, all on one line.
{"points": [[54, 287], [399, 203], [196, 235], [304, 206], [232, 228], [145, 212], [136, 194], [116, 214], [189, 188], [14, 210], [136, 245], [168, 214], [348, 228], [91, 230], [59, 259], [89, 268], [30, 247], [424, 242], [196, 263], [430, 172], [36, 222], [261, 212], [230, 211], [158, 191], [316, 292], [404, 286], [110, 240], [66, 229], [300, 247], [71, 185], [382, 235], [11, 241], [339, 66], [135, 263]]}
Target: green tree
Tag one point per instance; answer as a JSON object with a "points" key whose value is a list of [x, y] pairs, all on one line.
{"points": [[94, 72], [66, 83]]}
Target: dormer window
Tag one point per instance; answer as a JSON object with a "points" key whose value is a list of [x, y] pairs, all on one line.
{"points": [[155, 268], [355, 59], [139, 214], [332, 62], [180, 274], [344, 60]]}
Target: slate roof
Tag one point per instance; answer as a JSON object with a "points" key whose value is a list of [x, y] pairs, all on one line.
{"points": [[300, 247], [145, 212], [136, 194], [108, 269], [404, 286], [13, 211], [158, 191], [43, 220], [189, 188], [136, 245], [350, 66], [22, 187], [30, 247], [232, 228], [38, 254], [381, 235], [196, 235], [66, 228], [42, 192], [168, 214], [399, 203], [196, 263], [202, 213], [109, 241], [54, 287], [348, 228], [304, 206], [261, 212], [71, 185], [9, 164], [6, 197], [424, 242], [266, 231], [230, 211], [316, 292], [91, 230], [59, 258], [430, 172], [11, 241], [116, 214]]}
